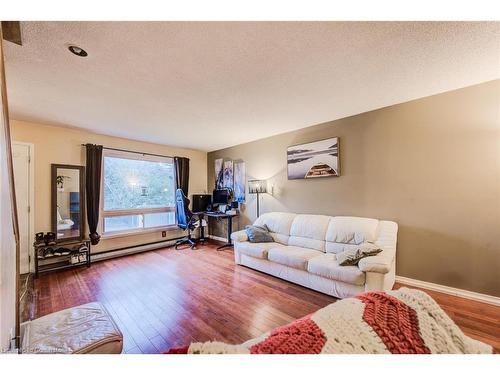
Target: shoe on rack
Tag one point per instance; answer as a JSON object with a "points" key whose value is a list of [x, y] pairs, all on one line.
{"points": [[50, 239], [57, 252], [74, 259], [83, 248], [48, 253], [40, 253], [64, 251], [39, 239]]}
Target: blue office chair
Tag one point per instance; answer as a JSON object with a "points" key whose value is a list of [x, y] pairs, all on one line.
{"points": [[185, 219]]}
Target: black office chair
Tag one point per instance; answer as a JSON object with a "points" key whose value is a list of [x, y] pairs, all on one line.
{"points": [[185, 219]]}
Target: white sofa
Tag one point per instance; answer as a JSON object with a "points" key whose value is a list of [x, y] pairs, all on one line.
{"points": [[305, 247]]}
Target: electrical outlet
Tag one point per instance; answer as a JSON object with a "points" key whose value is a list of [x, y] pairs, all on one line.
{"points": [[164, 234]]}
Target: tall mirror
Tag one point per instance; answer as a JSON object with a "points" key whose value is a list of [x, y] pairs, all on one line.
{"points": [[68, 200]]}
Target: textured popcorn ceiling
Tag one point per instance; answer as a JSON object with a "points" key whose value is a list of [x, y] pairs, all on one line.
{"points": [[209, 85]]}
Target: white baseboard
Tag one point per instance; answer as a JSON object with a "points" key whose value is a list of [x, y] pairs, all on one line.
{"points": [[221, 239], [138, 249], [492, 300]]}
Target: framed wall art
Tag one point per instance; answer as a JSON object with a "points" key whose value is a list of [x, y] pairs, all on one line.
{"points": [[314, 159], [228, 174], [239, 181]]}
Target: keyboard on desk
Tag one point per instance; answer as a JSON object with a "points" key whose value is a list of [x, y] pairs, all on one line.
{"points": [[217, 213]]}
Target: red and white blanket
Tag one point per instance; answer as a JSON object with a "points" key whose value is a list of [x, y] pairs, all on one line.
{"points": [[405, 321]]}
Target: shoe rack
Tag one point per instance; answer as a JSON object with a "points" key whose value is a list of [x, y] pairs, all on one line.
{"points": [[52, 256]]}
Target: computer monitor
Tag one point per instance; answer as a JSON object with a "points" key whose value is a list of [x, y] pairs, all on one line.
{"points": [[200, 202], [220, 196]]}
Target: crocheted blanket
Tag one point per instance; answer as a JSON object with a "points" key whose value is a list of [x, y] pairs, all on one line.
{"points": [[405, 321]]}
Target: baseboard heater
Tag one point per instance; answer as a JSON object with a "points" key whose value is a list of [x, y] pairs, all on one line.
{"points": [[132, 249]]}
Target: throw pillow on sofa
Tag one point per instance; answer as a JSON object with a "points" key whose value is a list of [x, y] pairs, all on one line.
{"points": [[258, 233], [353, 256]]}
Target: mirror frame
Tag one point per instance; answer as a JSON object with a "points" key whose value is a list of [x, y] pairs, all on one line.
{"points": [[81, 169]]}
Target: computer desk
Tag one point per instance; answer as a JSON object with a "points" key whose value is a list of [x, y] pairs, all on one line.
{"points": [[218, 215]]}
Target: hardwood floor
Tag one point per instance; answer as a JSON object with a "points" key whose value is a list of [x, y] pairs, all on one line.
{"points": [[166, 298]]}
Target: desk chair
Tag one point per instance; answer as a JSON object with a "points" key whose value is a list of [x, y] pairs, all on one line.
{"points": [[185, 219]]}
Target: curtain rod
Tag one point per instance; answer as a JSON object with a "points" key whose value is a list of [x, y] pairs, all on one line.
{"points": [[134, 152]]}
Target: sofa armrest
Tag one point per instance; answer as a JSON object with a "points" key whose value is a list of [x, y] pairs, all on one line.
{"points": [[379, 263], [240, 236], [387, 240]]}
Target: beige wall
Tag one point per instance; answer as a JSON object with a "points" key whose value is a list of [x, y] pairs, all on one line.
{"points": [[63, 146], [432, 165]]}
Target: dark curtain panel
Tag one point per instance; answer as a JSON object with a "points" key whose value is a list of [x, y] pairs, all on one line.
{"points": [[182, 174], [93, 189]]}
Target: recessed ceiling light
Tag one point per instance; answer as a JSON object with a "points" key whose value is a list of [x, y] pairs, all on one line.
{"points": [[78, 51]]}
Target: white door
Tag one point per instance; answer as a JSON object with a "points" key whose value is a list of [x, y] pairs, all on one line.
{"points": [[21, 160]]}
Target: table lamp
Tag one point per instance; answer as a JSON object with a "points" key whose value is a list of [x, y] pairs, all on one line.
{"points": [[257, 187]]}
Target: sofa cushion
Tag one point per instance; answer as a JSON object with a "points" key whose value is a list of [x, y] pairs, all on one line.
{"points": [[258, 234], [279, 224], [280, 238], [292, 256], [256, 250], [307, 243], [309, 231], [350, 230], [353, 256], [337, 247], [326, 265]]}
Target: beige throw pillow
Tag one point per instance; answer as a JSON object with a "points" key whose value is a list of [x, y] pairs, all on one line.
{"points": [[353, 256]]}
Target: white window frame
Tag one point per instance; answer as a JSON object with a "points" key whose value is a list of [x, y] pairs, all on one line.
{"points": [[136, 211]]}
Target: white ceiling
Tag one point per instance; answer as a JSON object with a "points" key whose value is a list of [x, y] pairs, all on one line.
{"points": [[210, 85]]}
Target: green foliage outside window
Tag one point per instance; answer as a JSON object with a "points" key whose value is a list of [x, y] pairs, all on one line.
{"points": [[132, 184]]}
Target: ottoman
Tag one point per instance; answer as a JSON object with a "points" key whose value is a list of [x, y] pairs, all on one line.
{"points": [[82, 329]]}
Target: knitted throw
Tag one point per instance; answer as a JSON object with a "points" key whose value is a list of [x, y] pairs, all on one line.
{"points": [[404, 321]]}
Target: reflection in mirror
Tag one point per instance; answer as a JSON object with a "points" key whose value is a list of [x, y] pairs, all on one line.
{"points": [[68, 200], [68, 203]]}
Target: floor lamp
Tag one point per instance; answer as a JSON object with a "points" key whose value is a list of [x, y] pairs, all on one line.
{"points": [[257, 187]]}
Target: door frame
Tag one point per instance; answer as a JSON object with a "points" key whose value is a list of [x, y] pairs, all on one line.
{"points": [[31, 188]]}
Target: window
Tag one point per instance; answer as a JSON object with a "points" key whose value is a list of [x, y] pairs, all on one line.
{"points": [[138, 192]]}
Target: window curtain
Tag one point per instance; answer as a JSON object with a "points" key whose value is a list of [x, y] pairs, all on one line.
{"points": [[182, 174], [93, 189]]}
